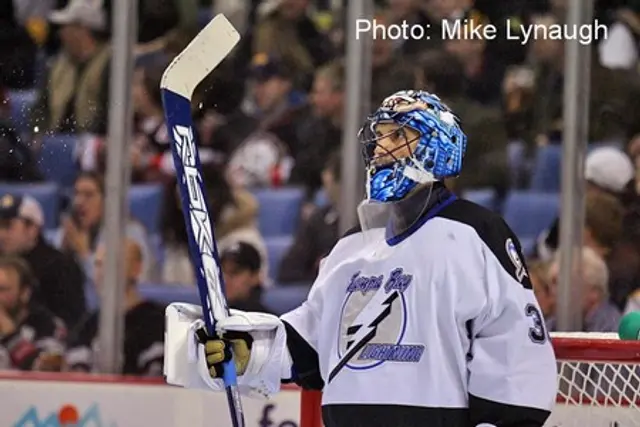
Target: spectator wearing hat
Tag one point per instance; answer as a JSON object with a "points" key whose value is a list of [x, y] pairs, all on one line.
{"points": [[609, 174], [607, 170], [275, 98], [265, 127], [75, 98], [241, 265], [60, 280], [621, 50]]}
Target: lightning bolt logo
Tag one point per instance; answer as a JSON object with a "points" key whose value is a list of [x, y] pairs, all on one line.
{"points": [[365, 325]]}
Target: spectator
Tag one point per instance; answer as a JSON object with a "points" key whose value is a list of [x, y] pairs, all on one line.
{"points": [[158, 18], [438, 11], [17, 162], [287, 32], [60, 280], [17, 48], [390, 71], [151, 148], [413, 13], [143, 323], [633, 302], [268, 132], [607, 171], [545, 293], [28, 331], [82, 229], [599, 314], [75, 98], [241, 265], [621, 49], [486, 157], [317, 235], [321, 132], [234, 214], [483, 72], [614, 97], [603, 222]]}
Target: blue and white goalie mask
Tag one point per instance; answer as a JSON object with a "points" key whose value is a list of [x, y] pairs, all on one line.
{"points": [[412, 139]]}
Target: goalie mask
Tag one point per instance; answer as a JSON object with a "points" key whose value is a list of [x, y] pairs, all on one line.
{"points": [[412, 139]]}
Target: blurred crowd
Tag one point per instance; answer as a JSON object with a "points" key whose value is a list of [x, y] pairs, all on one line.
{"points": [[271, 117]]}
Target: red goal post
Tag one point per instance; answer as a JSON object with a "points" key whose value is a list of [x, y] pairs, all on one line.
{"points": [[598, 383]]}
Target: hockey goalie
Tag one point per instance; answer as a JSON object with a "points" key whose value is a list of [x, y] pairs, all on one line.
{"points": [[422, 316]]}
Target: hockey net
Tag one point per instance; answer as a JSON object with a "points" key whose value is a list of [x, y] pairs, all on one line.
{"points": [[598, 383]]}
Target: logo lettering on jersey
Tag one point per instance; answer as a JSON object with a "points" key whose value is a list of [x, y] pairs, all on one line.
{"points": [[373, 323], [512, 252]]}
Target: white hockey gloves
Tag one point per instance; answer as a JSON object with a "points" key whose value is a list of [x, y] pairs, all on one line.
{"points": [[194, 360]]}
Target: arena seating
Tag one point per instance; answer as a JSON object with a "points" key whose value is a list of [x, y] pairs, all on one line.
{"points": [[529, 213], [277, 247], [279, 210], [278, 300], [146, 205], [547, 168], [57, 159], [485, 197], [21, 103]]}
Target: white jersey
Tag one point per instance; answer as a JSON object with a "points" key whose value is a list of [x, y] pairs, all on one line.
{"points": [[436, 327]]}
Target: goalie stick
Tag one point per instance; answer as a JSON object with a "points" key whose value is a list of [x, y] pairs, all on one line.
{"points": [[179, 81]]}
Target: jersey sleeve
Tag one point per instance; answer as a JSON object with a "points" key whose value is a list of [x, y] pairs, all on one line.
{"points": [[512, 367], [41, 333], [301, 326], [149, 339], [303, 323], [79, 355]]}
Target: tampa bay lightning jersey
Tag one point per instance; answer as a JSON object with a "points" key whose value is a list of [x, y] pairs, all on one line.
{"points": [[437, 326]]}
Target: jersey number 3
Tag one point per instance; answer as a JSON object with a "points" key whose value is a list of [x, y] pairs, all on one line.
{"points": [[537, 332]]}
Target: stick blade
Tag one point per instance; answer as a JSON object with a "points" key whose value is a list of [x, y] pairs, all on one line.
{"points": [[200, 57]]}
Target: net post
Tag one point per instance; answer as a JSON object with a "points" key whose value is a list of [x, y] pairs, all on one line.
{"points": [[310, 408]]}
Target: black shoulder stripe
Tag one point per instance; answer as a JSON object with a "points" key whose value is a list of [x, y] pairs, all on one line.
{"points": [[306, 366], [495, 233]]}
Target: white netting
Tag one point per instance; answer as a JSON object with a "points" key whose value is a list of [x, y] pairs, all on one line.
{"points": [[598, 381]]}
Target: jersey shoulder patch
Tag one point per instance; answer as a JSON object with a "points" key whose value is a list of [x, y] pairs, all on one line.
{"points": [[495, 233]]}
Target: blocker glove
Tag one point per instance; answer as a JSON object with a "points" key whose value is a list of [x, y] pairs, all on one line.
{"points": [[257, 341]]}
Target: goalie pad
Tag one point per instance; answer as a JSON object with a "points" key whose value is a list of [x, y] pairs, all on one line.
{"points": [[185, 362]]}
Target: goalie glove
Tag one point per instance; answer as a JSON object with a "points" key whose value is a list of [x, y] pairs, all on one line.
{"points": [[258, 342], [218, 351]]}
